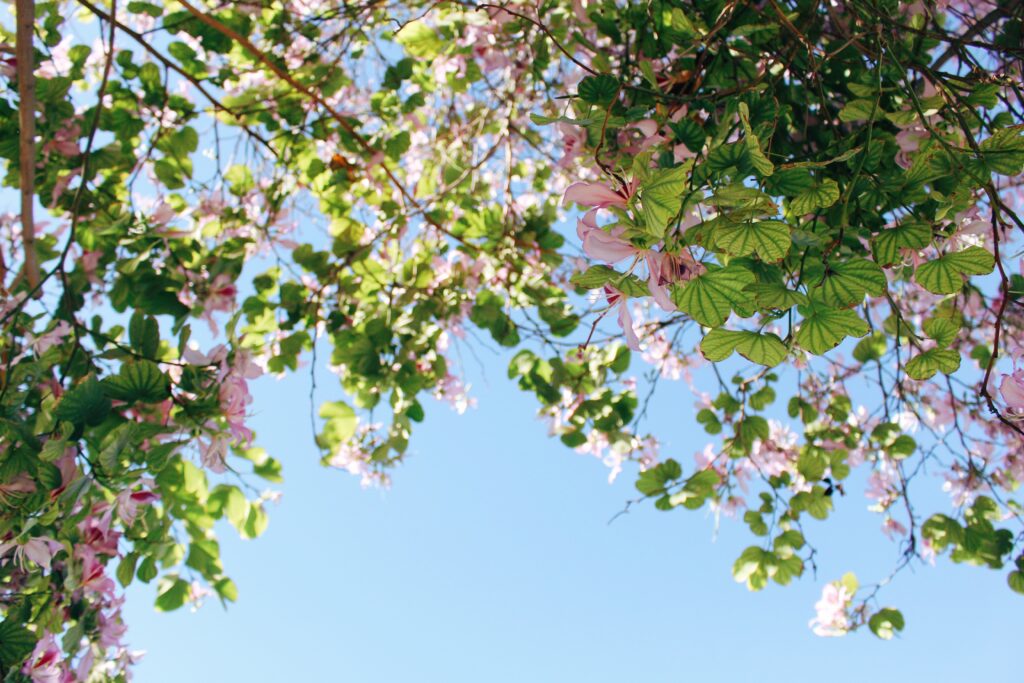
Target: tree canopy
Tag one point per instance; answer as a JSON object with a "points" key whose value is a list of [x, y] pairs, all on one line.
{"points": [[815, 205]]}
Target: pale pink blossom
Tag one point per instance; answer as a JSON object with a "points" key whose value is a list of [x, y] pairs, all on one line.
{"points": [[234, 400], [574, 139], [97, 532], [129, 502], [617, 298], [451, 389], [221, 294], [832, 619], [45, 665], [20, 483], [597, 195], [908, 140], [601, 244], [39, 549], [94, 577], [213, 451], [892, 529], [1012, 391], [59, 63], [51, 338]]}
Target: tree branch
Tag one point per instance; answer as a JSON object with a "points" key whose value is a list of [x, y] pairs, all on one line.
{"points": [[26, 18]]}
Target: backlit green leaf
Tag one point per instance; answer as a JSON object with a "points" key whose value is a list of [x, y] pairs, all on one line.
{"points": [[945, 274], [710, 297]]}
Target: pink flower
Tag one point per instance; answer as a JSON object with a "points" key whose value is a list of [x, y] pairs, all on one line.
{"points": [[617, 298], [48, 340], [128, 503], [212, 453], [908, 140], [218, 355], [94, 577], [597, 195], [639, 136], [21, 483], [39, 550], [65, 140], [832, 619], [45, 665], [1012, 390], [666, 269], [602, 244], [68, 472], [59, 63], [892, 528], [162, 214], [111, 628], [574, 138], [234, 398], [96, 531], [221, 295]]}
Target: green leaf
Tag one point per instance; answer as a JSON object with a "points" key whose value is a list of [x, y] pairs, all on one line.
{"points": [[887, 244], [169, 173], [943, 329], [765, 349], [710, 297], [902, 446], [144, 334], [751, 567], [1015, 580], [661, 197], [945, 275], [769, 239], [776, 295], [240, 179], [255, 523], [819, 197], [340, 425], [600, 89], [85, 404], [860, 110], [790, 182], [16, 643], [871, 348], [139, 381], [147, 570], [846, 282], [823, 328], [114, 444], [849, 581], [595, 277], [126, 568], [886, 622], [751, 201], [652, 481], [172, 595], [728, 156], [758, 160], [226, 589], [926, 364], [1004, 151], [420, 39]]}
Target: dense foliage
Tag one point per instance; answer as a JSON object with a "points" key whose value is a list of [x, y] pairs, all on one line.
{"points": [[820, 198]]}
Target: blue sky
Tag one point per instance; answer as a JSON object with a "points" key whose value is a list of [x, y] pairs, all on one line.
{"points": [[491, 559]]}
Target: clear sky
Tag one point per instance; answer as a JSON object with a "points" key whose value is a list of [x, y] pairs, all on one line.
{"points": [[491, 560]]}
